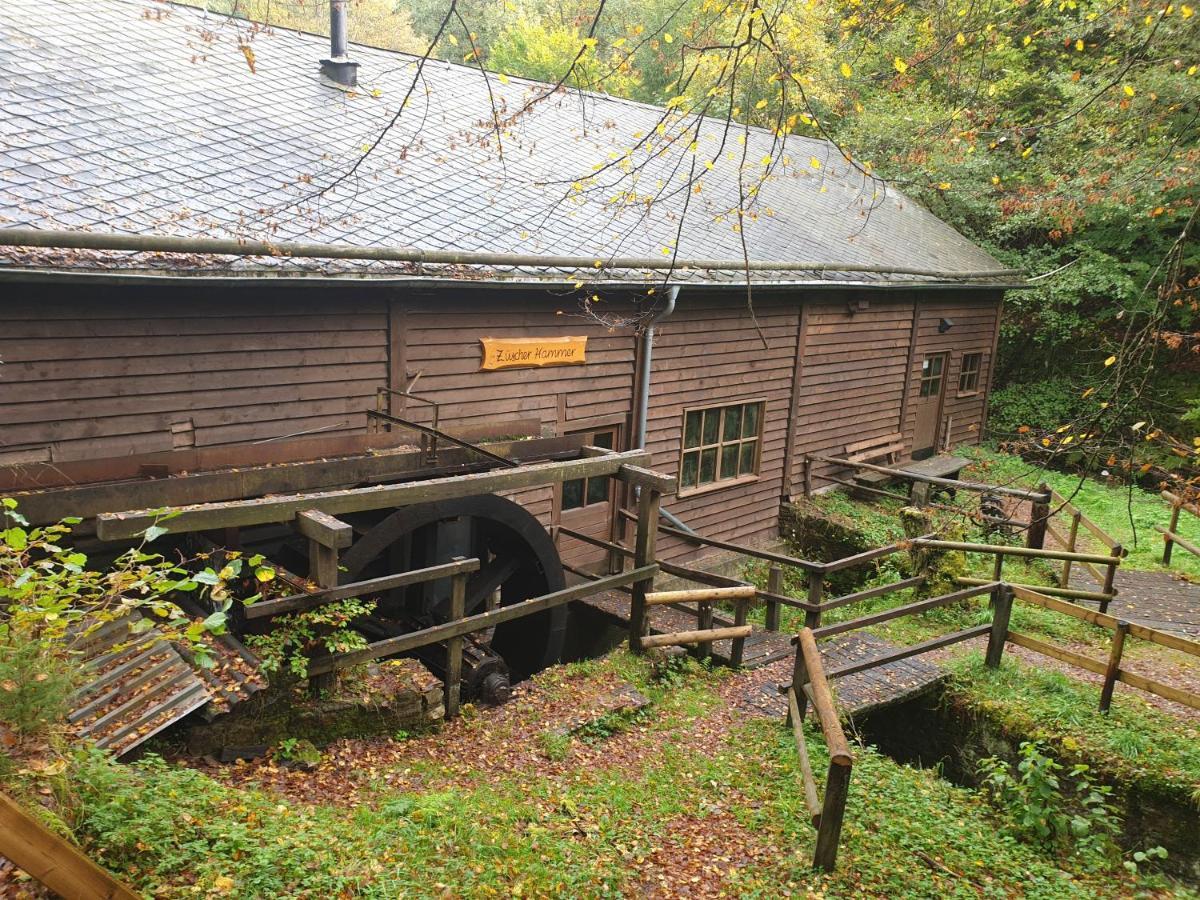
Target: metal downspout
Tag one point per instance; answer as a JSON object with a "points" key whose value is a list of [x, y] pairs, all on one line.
{"points": [[646, 358]]}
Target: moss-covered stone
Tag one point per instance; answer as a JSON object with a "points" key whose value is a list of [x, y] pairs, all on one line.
{"points": [[381, 699]]}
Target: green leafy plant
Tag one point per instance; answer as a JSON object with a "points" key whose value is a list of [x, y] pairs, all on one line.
{"points": [[1049, 805], [294, 638], [52, 601]]}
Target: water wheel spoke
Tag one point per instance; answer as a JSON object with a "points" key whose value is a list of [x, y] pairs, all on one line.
{"points": [[484, 583]]}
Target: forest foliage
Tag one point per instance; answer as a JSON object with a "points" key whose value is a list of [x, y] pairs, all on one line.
{"points": [[1061, 135]]}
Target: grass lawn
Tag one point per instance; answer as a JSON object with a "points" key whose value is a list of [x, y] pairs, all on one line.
{"points": [[686, 798]]}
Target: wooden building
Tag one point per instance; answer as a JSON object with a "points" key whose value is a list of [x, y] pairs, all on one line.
{"points": [[143, 122]]}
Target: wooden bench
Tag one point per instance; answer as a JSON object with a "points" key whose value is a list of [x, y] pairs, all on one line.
{"points": [[886, 450], [883, 451]]}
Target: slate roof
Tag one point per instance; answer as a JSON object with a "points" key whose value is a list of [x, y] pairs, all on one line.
{"points": [[142, 117]]}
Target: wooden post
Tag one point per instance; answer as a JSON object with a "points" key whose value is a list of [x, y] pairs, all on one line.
{"points": [[816, 591], [1114, 665], [998, 568], [454, 646], [1038, 518], [1173, 528], [1110, 575], [799, 680], [325, 535], [643, 555], [833, 810], [737, 651], [774, 586], [1000, 616], [705, 623], [54, 861], [808, 464], [1072, 540]]}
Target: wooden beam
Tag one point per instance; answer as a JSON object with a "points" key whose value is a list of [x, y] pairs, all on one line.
{"points": [[911, 650], [910, 363], [88, 500], [1044, 589], [806, 773], [822, 700], [479, 622], [646, 478], [324, 529], [54, 861], [869, 593], [208, 516], [700, 636], [1030, 552], [265, 608], [901, 611], [702, 595], [932, 479]]}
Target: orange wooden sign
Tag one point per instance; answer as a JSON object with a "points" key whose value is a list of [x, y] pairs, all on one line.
{"points": [[521, 353]]}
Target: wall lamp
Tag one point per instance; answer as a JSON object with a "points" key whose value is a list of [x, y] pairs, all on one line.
{"points": [[945, 325]]}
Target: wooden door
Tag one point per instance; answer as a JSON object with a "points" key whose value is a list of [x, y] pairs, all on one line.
{"points": [[928, 405], [588, 505]]}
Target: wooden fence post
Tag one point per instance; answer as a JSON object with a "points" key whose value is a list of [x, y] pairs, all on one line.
{"points": [[1002, 602], [326, 536], [774, 586], [1065, 579], [737, 650], [454, 646], [1173, 528], [1110, 576], [808, 464], [1114, 665], [643, 555], [833, 810], [1038, 518], [704, 622], [816, 591], [799, 680]]}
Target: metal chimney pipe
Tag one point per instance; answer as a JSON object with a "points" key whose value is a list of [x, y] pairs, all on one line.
{"points": [[340, 71], [337, 29]]}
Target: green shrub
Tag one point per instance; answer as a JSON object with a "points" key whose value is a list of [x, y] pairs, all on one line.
{"points": [[1040, 405]]}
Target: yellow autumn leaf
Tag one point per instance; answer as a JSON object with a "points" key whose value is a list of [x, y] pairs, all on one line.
{"points": [[944, 185], [1087, 393], [901, 65], [1138, 426], [1025, 153], [1129, 91], [1192, 69], [1027, 41], [814, 162], [960, 39], [766, 160], [846, 70], [760, 104], [503, 78], [452, 39], [668, 37], [1186, 11], [1110, 361], [1079, 44]]}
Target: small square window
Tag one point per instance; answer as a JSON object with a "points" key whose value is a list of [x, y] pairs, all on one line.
{"points": [[968, 375], [580, 492], [720, 443]]}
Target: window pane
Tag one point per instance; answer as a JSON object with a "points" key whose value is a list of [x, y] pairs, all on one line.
{"points": [[935, 367], [691, 465], [729, 461], [708, 466], [712, 425], [597, 489], [691, 428], [733, 424], [603, 439], [572, 493], [750, 420], [746, 466]]}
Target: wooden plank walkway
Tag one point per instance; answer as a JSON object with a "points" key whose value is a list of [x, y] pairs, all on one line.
{"points": [[856, 694], [1157, 599]]}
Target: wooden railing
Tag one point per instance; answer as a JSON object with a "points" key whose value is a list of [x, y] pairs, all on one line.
{"points": [[1170, 534], [1001, 551], [1111, 668], [809, 683], [1064, 508], [705, 634]]}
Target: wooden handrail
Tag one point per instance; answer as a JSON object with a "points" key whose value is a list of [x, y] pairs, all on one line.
{"points": [[822, 700], [870, 593], [1004, 550], [907, 610], [1185, 505], [931, 479], [703, 595], [1067, 506], [280, 605]]}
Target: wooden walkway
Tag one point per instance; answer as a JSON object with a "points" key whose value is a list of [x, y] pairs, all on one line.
{"points": [[856, 694], [1156, 599]]}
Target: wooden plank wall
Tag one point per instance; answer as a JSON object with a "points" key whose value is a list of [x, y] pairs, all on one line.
{"points": [[709, 352], [852, 377], [131, 370], [441, 342]]}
